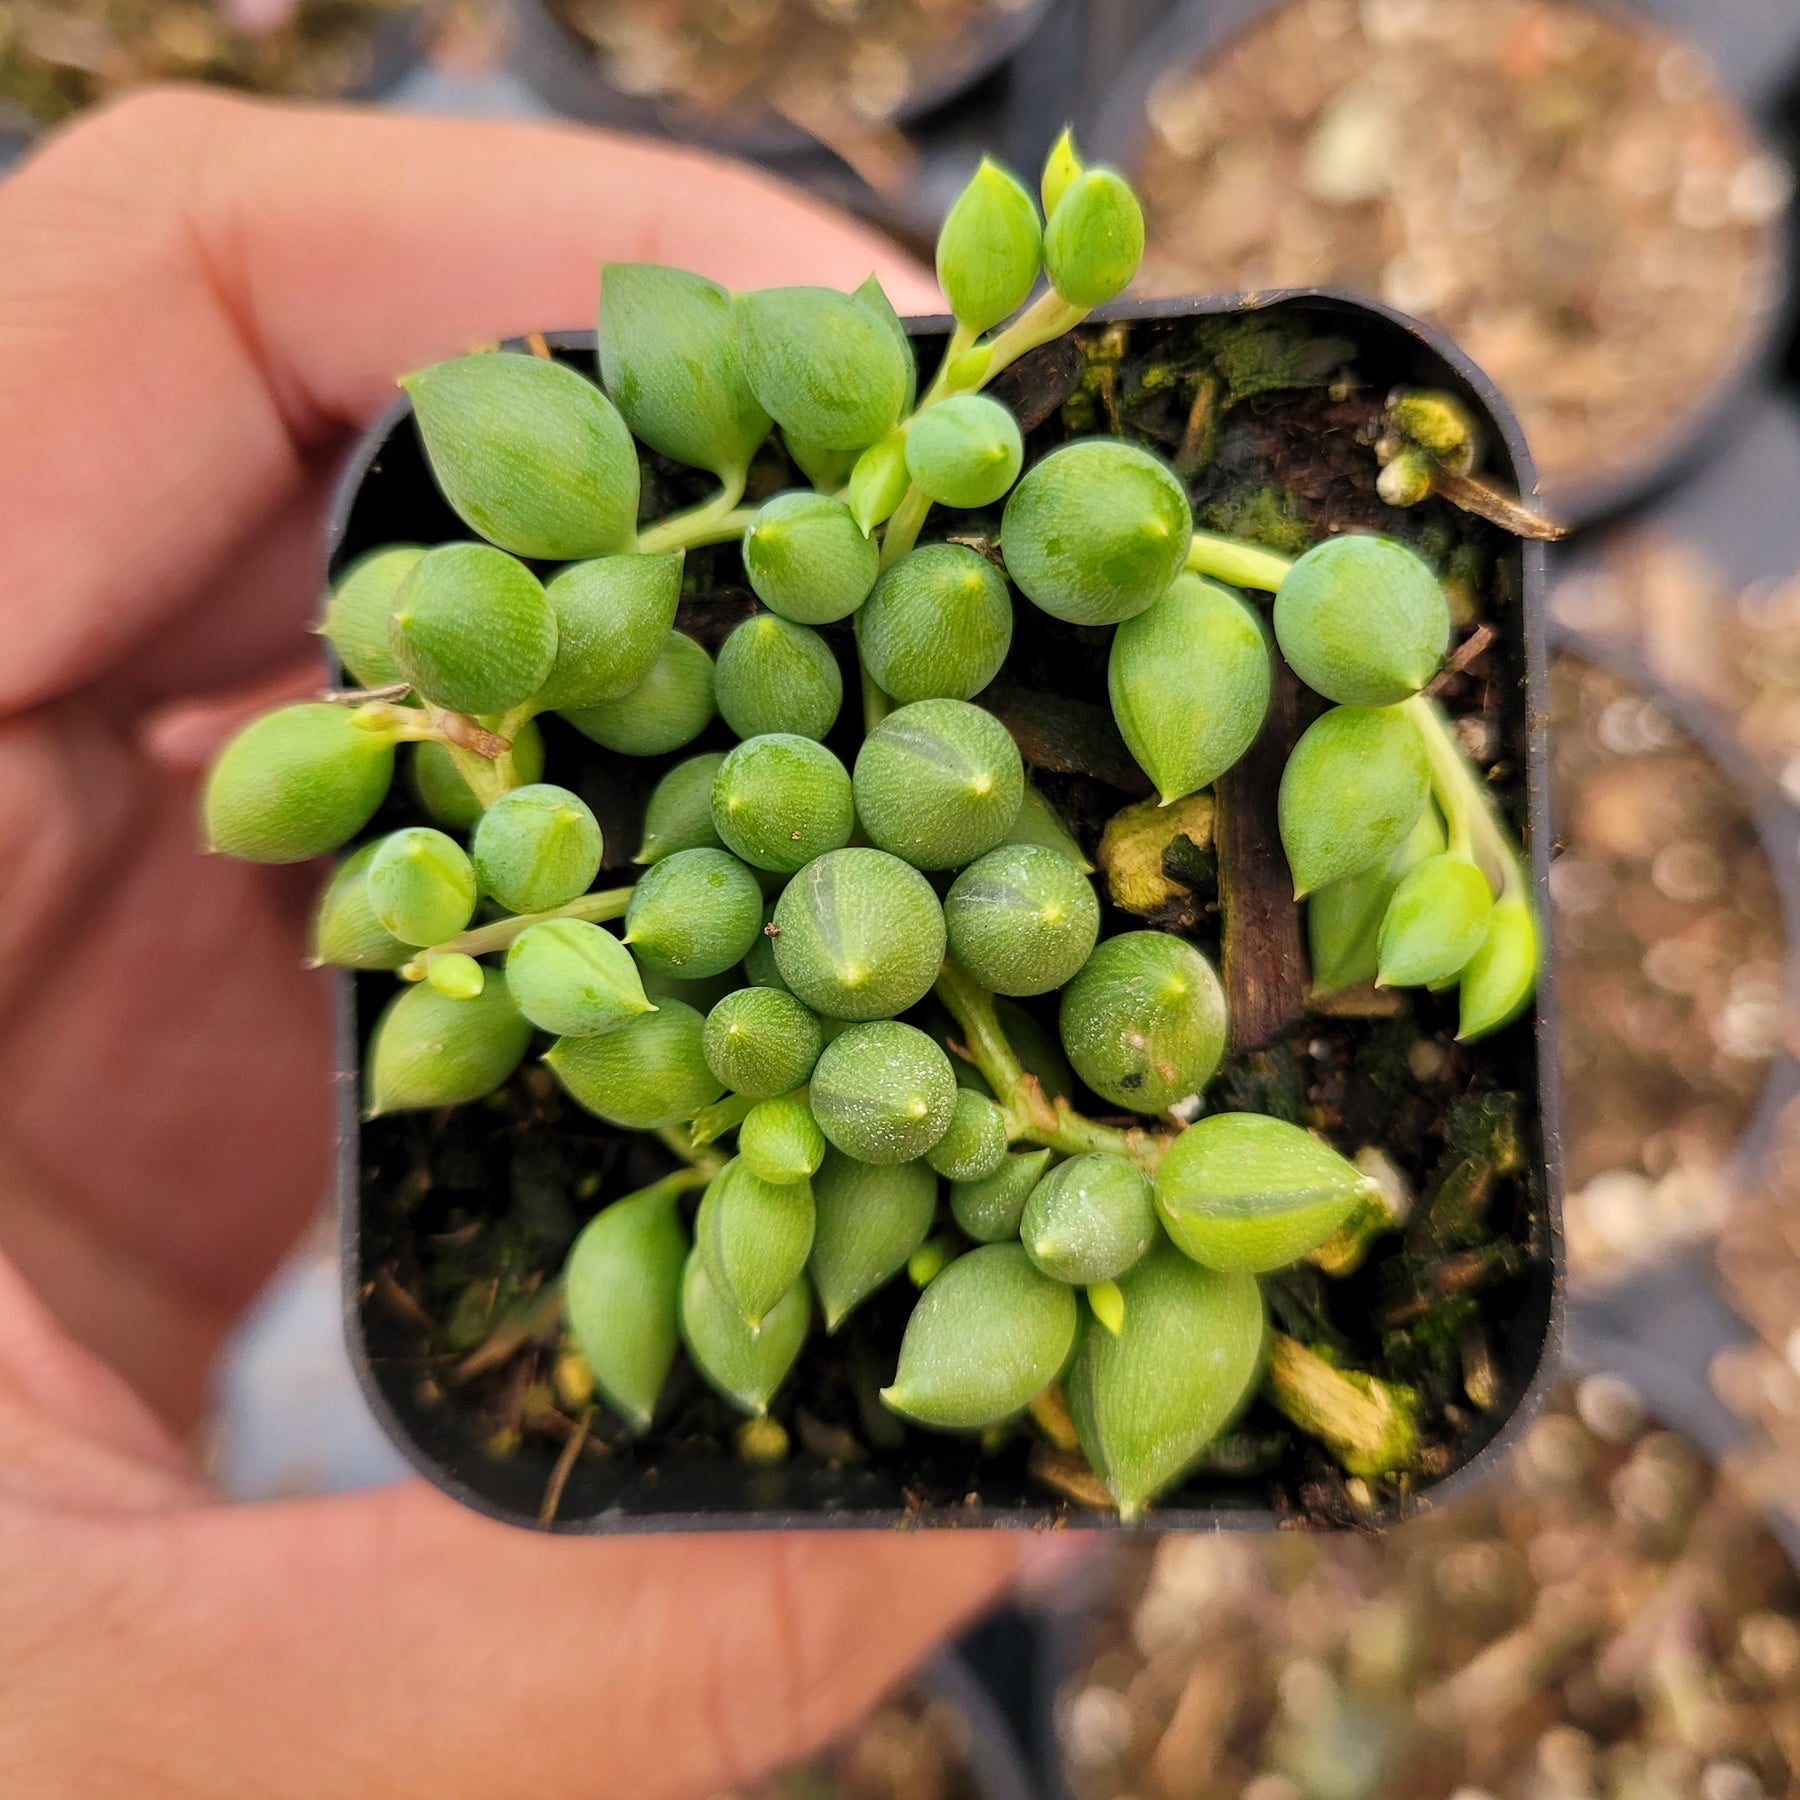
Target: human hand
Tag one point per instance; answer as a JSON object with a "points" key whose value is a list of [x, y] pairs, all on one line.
{"points": [[201, 302]]}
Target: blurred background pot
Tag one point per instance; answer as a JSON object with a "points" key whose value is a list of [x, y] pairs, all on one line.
{"points": [[58, 57], [764, 78], [1572, 194], [1610, 1615]]}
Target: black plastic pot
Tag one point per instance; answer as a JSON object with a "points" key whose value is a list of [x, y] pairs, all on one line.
{"points": [[386, 494], [565, 69], [1117, 131]]}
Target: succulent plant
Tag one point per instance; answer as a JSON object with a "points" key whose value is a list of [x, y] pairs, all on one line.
{"points": [[807, 996], [938, 782], [937, 625], [775, 676]]}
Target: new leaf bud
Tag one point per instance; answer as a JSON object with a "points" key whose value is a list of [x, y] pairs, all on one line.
{"points": [[989, 249]]}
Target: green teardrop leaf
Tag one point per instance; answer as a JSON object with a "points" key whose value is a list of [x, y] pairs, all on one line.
{"points": [[781, 800], [537, 847], [422, 885], [678, 815], [1095, 238], [989, 1209], [1362, 620], [1096, 531], [1061, 167], [776, 676], [471, 629], [1186, 1359], [1435, 923], [428, 1050], [296, 783], [621, 1297], [1343, 918], [647, 1073], [574, 980], [823, 364], [346, 932], [356, 618], [670, 707], [883, 1092], [1144, 1021], [937, 626], [669, 358], [693, 914], [1245, 1192], [613, 619], [780, 1140], [870, 1221], [1022, 920], [1498, 982], [1189, 681], [879, 481], [938, 782], [989, 248], [459, 976], [441, 788], [974, 1143], [744, 1367], [860, 935], [529, 453], [1090, 1219], [761, 1042], [874, 296], [1351, 793], [1040, 823], [754, 1237], [808, 559], [985, 1339], [965, 451]]}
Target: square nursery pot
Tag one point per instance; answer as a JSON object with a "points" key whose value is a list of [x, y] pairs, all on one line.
{"points": [[1271, 401]]}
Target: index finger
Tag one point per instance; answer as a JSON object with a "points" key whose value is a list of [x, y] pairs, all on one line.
{"points": [[201, 298]]}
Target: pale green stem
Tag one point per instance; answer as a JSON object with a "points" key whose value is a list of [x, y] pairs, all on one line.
{"points": [[670, 1187], [1030, 1113], [876, 704], [1468, 806], [487, 782], [1237, 562], [484, 939], [713, 521], [711, 1123], [1044, 320], [705, 1164], [904, 527], [961, 339]]}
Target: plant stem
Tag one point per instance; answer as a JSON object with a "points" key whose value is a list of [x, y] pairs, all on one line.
{"points": [[1030, 1113], [711, 1123], [1233, 560], [703, 1163], [1370, 1426], [1468, 807], [876, 705], [594, 908], [714, 521], [904, 527], [1048, 317], [961, 339]]}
